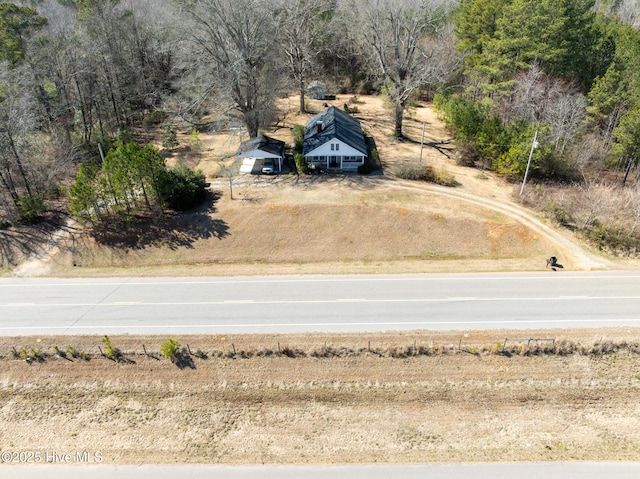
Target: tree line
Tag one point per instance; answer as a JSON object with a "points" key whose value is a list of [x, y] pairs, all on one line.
{"points": [[78, 73], [564, 68], [564, 73]]}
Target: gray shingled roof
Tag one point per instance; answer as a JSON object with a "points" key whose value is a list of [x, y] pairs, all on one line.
{"points": [[335, 124], [262, 143]]}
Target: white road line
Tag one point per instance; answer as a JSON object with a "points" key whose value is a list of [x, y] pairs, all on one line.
{"points": [[323, 324], [538, 276], [230, 302]]}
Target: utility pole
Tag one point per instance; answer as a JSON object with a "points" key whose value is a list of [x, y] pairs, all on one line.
{"points": [[422, 142], [534, 145]]}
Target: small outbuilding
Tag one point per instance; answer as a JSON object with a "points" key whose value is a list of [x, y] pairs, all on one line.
{"points": [[256, 151], [317, 90]]}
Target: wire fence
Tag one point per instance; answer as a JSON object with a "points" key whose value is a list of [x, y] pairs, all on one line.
{"points": [[508, 346]]}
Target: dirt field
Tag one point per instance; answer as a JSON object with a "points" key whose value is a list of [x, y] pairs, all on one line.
{"points": [[444, 397]]}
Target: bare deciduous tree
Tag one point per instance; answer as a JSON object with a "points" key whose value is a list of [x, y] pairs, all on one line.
{"points": [[233, 50], [229, 171], [301, 23], [625, 10], [589, 155], [400, 35], [18, 120], [596, 203], [564, 116], [537, 97]]}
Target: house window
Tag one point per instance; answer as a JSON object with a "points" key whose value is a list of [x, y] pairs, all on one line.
{"points": [[337, 147], [332, 147]]}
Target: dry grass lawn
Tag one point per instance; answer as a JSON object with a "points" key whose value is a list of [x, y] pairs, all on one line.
{"points": [[322, 226]]}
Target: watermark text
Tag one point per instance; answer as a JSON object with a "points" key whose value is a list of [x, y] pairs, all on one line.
{"points": [[50, 457]]}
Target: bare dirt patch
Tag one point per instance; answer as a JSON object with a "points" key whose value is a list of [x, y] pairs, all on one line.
{"points": [[448, 405]]}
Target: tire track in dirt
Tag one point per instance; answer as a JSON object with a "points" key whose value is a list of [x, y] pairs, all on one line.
{"points": [[578, 257], [568, 251]]}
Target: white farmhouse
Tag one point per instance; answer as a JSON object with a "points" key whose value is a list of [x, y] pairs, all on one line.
{"points": [[333, 140]]}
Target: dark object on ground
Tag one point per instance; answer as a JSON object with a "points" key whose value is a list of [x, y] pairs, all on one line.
{"points": [[553, 263]]}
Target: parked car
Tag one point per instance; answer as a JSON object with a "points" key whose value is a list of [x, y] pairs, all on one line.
{"points": [[268, 168]]}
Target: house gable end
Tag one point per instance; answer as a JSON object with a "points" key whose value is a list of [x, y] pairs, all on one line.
{"points": [[330, 124], [341, 149]]}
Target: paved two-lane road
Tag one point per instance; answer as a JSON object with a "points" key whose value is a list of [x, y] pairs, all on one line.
{"points": [[319, 303], [548, 470]]}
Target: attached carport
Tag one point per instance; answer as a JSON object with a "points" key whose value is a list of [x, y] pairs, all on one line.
{"points": [[254, 152]]}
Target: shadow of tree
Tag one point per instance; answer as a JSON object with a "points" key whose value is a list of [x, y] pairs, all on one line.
{"points": [[173, 230], [125, 360], [17, 243], [183, 360], [443, 147]]}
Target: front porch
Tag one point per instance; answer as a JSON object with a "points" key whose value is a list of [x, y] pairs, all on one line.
{"points": [[333, 162]]}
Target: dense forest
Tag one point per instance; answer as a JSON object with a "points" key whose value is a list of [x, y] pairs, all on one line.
{"points": [[79, 74]]}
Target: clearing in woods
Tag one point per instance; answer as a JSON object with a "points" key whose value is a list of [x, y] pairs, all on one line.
{"points": [[290, 224]]}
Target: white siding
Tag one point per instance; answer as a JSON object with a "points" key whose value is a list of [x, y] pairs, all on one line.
{"points": [[259, 154], [343, 150]]}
